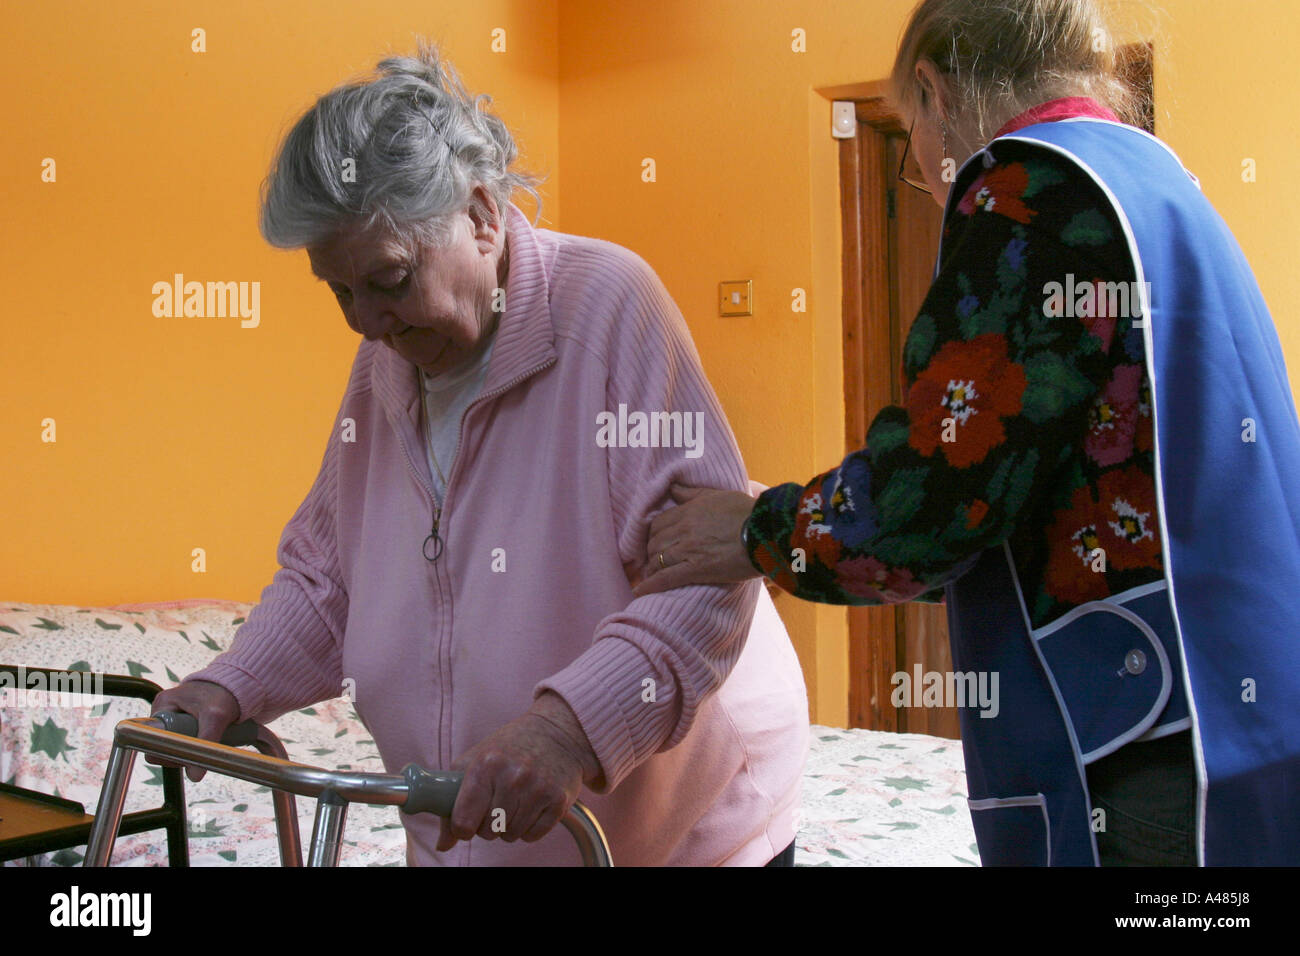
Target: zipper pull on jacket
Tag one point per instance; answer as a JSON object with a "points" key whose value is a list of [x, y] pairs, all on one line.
{"points": [[432, 547]]}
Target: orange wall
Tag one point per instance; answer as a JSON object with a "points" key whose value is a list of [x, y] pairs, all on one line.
{"points": [[746, 188], [177, 433], [183, 433]]}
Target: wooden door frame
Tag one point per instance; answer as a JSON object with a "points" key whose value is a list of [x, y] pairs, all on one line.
{"points": [[874, 649]]}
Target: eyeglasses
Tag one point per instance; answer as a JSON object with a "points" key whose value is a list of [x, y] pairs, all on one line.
{"points": [[903, 164]]}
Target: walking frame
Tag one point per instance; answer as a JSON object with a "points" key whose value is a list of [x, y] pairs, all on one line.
{"points": [[172, 736]]}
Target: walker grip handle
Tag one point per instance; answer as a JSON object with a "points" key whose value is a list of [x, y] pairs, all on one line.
{"points": [[430, 792], [236, 735]]}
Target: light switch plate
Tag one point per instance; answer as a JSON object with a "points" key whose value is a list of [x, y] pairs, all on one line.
{"points": [[736, 298]]}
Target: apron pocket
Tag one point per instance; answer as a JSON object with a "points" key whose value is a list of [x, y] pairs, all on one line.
{"points": [[1012, 831]]}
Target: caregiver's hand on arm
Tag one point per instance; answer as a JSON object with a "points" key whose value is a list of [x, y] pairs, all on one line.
{"points": [[214, 707], [523, 778], [699, 541]]}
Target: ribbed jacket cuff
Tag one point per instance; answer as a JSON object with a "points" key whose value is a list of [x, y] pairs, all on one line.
{"points": [[246, 688], [605, 689], [769, 523]]}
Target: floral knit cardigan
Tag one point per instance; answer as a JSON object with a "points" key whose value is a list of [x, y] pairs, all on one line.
{"points": [[1026, 418]]}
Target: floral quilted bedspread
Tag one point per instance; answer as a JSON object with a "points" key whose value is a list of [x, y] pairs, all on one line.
{"points": [[869, 798], [873, 798]]}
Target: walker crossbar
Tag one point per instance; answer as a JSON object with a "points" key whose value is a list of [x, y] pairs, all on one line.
{"points": [[415, 790]]}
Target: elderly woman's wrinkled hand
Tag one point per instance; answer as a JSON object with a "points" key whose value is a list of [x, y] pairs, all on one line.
{"points": [[214, 707], [698, 542], [520, 781]]}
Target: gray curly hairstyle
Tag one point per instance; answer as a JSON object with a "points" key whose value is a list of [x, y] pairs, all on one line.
{"points": [[418, 144]]}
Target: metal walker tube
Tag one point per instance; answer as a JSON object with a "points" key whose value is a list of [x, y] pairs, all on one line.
{"points": [[415, 790]]}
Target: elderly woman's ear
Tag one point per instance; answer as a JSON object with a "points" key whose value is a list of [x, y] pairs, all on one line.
{"points": [[485, 218]]}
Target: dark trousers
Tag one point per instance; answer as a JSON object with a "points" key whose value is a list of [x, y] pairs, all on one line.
{"points": [[1148, 793], [784, 858]]}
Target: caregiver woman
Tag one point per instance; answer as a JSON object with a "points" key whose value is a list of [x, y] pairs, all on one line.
{"points": [[1105, 487], [459, 566]]}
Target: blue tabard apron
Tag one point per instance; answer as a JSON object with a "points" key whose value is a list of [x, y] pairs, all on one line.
{"points": [[1219, 636]]}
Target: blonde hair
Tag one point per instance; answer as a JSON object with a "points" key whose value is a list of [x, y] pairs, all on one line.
{"points": [[1000, 57]]}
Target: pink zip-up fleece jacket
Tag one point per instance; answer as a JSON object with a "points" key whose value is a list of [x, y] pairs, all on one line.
{"points": [[693, 700]]}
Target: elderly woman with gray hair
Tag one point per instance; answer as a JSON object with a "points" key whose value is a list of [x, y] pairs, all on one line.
{"points": [[459, 566]]}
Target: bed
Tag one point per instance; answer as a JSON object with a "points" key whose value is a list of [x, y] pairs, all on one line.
{"points": [[869, 798]]}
